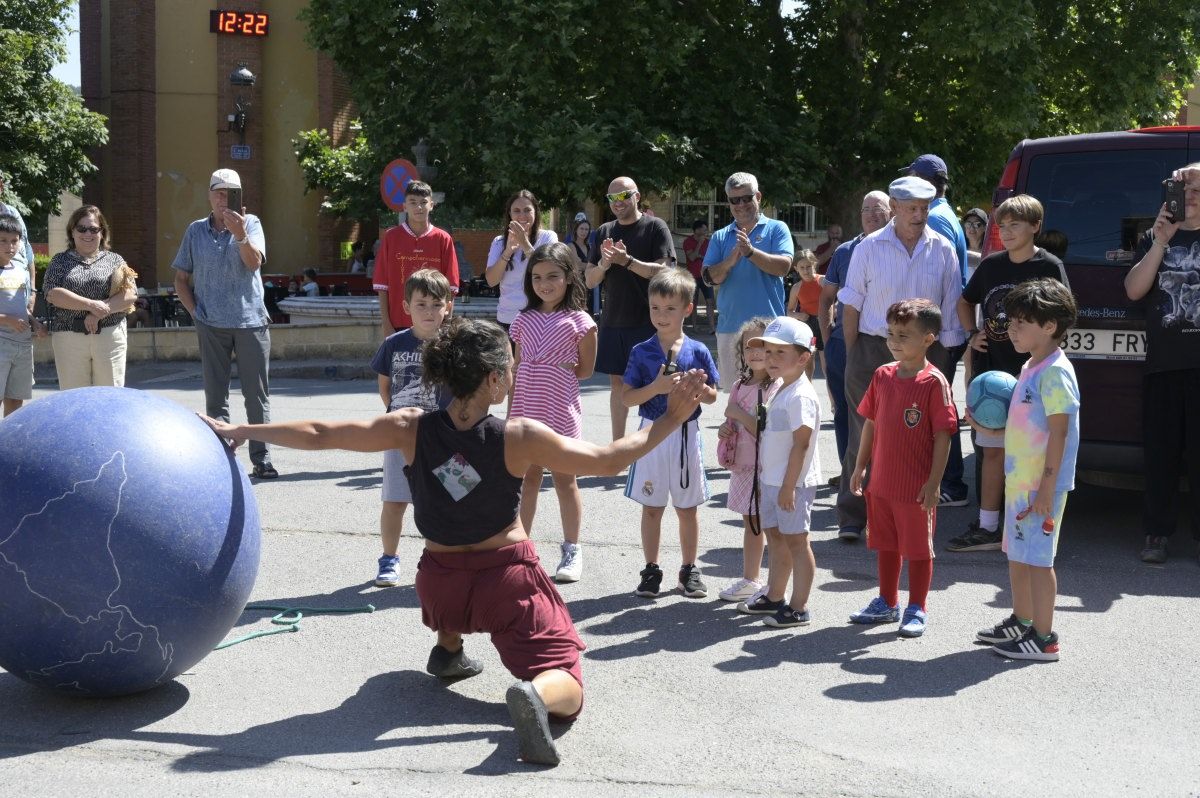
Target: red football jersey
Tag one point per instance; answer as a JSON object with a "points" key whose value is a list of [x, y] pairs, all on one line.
{"points": [[401, 253], [907, 412]]}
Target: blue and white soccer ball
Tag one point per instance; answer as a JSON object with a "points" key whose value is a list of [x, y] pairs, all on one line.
{"points": [[988, 397]]}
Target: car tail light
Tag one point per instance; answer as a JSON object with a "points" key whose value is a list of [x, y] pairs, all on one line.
{"points": [[1008, 185]]}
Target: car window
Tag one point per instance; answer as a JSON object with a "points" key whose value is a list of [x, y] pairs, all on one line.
{"points": [[1101, 201]]}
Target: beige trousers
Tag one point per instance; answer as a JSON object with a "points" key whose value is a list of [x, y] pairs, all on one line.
{"points": [[82, 360]]}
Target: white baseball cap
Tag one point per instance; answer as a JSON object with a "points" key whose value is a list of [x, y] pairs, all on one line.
{"points": [[224, 178], [786, 330]]}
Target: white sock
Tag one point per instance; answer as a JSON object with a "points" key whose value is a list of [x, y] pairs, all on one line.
{"points": [[989, 520]]}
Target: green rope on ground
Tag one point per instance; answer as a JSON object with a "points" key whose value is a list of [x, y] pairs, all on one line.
{"points": [[288, 619]]}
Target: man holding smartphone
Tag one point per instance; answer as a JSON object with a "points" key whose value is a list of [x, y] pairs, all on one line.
{"points": [[217, 278]]}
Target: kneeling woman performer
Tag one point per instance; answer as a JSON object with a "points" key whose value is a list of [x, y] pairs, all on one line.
{"points": [[479, 571]]}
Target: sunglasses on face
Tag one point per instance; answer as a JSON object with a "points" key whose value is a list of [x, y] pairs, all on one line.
{"points": [[741, 200], [973, 224], [92, 230], [620, 196]]}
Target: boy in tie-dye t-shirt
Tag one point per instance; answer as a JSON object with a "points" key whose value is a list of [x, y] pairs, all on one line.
{"points": [[1041, 440]]}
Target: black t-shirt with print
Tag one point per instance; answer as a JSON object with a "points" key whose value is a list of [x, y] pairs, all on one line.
{"points": [[627, 300], [1173, 304], [987, 288]]}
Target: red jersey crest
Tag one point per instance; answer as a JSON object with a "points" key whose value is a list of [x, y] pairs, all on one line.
{"points": [[912, 417]]}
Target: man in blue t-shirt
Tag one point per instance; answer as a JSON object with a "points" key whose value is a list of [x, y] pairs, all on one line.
{"points": [[748, 260], [944, 221]]}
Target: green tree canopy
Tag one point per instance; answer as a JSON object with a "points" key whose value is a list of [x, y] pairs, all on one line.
{"points": [[822, 104], [887, 81], [45, 131], [563, 96]]}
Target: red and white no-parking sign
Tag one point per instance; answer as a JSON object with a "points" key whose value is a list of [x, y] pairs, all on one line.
{"points": [[396, 177]]}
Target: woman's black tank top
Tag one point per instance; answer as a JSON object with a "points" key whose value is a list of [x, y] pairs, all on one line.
{"points": [[462, 491]]}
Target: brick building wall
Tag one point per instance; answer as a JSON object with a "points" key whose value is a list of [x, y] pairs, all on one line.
{"points": [[233, 51], [335, 112], [127, 195]]}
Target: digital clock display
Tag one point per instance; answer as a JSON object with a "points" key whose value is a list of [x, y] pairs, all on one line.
{"points": [[241, 23]]}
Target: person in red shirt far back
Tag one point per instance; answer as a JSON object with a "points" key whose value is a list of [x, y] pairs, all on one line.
{"points": [[409, 247]]}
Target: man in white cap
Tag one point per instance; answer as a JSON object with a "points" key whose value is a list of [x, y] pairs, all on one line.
{"points": [[903, 260], [218, 280]]}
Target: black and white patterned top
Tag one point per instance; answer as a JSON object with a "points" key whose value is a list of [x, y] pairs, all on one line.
{"points": [[90, 278]]}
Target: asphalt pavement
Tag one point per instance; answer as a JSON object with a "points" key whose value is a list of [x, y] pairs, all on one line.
{"points": [[683, 696]]}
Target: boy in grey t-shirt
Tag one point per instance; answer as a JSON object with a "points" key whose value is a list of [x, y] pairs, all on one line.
{"points": [[17, 323]]}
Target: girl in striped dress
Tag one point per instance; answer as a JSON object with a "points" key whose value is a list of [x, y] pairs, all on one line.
{"points": [[754, 386], [555, 342]]}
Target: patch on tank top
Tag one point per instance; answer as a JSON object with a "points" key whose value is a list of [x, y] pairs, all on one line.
{"points": [[457, 476]]}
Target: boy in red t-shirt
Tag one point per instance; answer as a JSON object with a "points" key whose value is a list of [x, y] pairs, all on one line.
{"points": [[909, 416], [414, 245]]}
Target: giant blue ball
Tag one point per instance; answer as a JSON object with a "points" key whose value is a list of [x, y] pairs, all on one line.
{"points": [[129, 541]]}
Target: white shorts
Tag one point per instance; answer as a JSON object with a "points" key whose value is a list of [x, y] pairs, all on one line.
{"points": [[796, 522], [991, 439], [395, 484], [671, 471], [727, 346]]}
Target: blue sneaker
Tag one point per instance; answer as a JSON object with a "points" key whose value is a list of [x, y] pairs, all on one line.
{"points": [[913, 624], [877, 611], [387, 576]]}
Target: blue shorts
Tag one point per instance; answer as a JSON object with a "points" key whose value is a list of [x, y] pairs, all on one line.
{"points": [[796, 522], [615, 344], [1026, 540]]}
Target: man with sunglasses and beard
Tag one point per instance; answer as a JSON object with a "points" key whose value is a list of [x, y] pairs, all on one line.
{"points": [[747, 259], [625, 253]]}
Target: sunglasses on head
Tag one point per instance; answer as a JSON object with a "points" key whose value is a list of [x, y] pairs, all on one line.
{"points": [[741, 200], [81, 229], [620, 196]]}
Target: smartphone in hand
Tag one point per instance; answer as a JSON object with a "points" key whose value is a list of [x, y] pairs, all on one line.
{"points": [[1174, 199], [235, 200]]}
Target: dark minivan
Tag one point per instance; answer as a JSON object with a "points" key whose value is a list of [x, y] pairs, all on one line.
{"points": [[1102, 191]]}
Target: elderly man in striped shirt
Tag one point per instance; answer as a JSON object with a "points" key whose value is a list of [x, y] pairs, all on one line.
{"points": [[904, 260]]}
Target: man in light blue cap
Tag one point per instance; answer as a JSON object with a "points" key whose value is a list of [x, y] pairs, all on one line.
{"points": [[903, 260]]}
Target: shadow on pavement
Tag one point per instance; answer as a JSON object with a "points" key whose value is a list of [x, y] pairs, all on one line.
{"points": [[664, 624], [38, 720], [363, 478], [940, 677], [373, 719], [351, 597]]}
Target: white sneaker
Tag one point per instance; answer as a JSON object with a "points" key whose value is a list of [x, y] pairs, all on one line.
{"points": [[570, 567], [739, 590]]}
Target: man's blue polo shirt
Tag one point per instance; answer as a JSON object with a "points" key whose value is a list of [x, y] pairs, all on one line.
{"points": [[748, 291], [943, 220]]}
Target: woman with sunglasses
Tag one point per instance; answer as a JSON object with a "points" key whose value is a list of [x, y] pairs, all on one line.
{"points": [[974, 224], [509, 255], [87, 306]]}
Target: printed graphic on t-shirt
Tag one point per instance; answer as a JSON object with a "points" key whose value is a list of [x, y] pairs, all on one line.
{"points": [[912, 417], [1179, 279], [407, 388], [457, 476], [995, 319]]}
